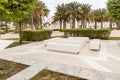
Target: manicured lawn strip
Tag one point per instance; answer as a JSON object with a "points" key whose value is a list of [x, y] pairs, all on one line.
{"points": [[114, 38], [8, 69], [50, 75], [14, 44], [11, 39]]}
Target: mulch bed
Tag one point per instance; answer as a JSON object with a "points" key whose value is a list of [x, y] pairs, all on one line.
{"points": [[8, 68], [50, 75]]}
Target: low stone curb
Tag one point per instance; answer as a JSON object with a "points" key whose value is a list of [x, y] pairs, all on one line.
{"points": [[27, 74]]}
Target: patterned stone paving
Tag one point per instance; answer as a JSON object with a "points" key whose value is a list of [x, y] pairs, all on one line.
{"points": [[100, 65]]}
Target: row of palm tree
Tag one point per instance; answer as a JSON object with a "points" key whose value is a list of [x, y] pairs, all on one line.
{"points": [[99, 15], [40, 11], [81, 13], [67, 13]]}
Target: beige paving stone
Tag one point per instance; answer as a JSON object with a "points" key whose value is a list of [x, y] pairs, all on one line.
{"points": [[89, 74], [115, 33], [109, 76]]}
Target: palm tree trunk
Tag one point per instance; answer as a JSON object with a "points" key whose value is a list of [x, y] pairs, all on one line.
{"points": [[101, 24], [95, 24], [32, 22], [36, 26], [20, 29], [81, 24], [73, 25], [41, 22], [84, 24], [70, 23], [22, 25], [60, 24], [6, 27], [110, 24], [64, 24], [117, 25]]}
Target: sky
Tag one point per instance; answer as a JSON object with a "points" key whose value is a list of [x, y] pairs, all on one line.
{"points": [[51, 4]]}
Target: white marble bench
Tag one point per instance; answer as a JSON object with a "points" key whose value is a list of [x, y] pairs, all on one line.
{"points": [[79, 38], [70, 41], [51, 40], [95, 44], [63, 47]]}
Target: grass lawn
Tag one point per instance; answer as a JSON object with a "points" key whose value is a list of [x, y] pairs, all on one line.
{"points": [[16, 43], [114, 38], [50, 75], [8, 69]]}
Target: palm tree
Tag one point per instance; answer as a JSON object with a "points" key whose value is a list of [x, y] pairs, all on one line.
{"points": [[40, 11], [61, 15], [85, 14], [111, 20], [57, 18], [99, 15], [74, 12], [96, 16], [102, 16]]}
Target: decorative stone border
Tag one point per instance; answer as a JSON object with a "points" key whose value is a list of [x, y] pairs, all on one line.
{"points": [[27, 74]]}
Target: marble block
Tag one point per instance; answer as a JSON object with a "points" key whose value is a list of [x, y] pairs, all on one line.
{"points": [[64, 47], [95, 44]]}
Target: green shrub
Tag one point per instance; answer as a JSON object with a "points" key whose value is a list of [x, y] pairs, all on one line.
{"points": [[2, 32], [91, 33], [11, 30], [36, 35], [56, 29]]}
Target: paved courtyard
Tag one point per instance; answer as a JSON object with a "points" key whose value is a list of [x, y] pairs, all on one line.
{"points": [[4, 44], [115, 33], [93, 65]]}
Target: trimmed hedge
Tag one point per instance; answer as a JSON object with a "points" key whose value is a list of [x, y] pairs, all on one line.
{"points": [[36, 35], [11, 30], [91, 33], [2, 32], [56, 29]]}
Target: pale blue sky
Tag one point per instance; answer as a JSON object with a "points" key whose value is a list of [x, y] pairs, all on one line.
{"points": [[51, 4]]}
